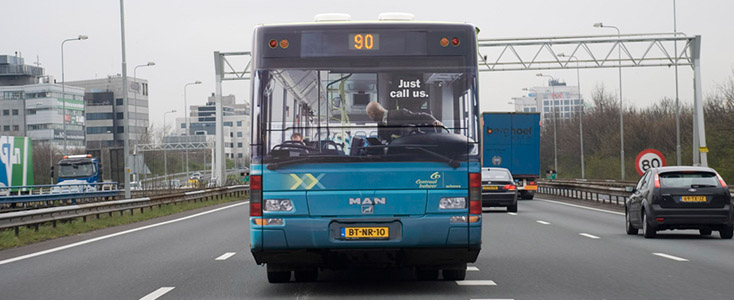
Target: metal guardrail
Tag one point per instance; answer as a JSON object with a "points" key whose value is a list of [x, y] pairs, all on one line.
{"points": [[42, 189], [53, 215], [602, 191]]}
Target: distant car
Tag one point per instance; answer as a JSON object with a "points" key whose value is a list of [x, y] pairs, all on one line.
{"points": [[136, 186], [670, 198], [196, 176], [498, 189]]}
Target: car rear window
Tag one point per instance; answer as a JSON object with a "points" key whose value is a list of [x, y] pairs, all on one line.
{"points": [[495, 175], [688, 179]]}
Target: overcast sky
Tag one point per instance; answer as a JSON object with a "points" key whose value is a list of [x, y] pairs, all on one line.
{"points": [[181, 36]]}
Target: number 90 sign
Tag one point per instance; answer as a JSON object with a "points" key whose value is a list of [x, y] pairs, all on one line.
{"points": [[649, 158]]}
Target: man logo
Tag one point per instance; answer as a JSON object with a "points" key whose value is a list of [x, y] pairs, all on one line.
{"points": [[366, 201], [368, 209]]}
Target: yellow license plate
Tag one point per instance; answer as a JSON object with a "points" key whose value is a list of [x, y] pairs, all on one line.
{"points": [[531, 187], [489, 187], [693, 199], [365, 232]]}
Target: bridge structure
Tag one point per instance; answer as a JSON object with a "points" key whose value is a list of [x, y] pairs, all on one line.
{"points": [[541, 53]]}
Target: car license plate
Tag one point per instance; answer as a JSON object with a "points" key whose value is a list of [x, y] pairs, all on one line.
{"points": [[692, 199], [489, 188], [365, 232]]}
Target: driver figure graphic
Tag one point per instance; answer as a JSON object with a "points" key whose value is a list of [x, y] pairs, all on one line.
{"points": [[395, 123]]}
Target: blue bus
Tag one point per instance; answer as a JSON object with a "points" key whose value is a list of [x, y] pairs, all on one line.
{"points": [[364, 149]]}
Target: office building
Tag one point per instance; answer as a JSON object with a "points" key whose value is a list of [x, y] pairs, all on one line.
{"points": [[236, 125], [33, 105], [557, 96], [105, 130]]}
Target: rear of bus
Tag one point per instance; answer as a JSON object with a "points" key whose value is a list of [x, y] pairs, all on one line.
{"points": [[345, 196]]}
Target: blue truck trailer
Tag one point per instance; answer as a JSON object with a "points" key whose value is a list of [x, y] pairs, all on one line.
{"points": [[511, 140]]}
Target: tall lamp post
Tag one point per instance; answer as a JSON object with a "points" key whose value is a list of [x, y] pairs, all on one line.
{"points": [[63, 84], [186, 118], [581, 112], [165, 151], [135, 80], [553, 101], [621, 105], [677, 102]]}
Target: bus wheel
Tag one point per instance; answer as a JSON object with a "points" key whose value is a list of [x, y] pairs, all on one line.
{"points": [[277, 275], [426, 274], [455, 274], [306, 275]]}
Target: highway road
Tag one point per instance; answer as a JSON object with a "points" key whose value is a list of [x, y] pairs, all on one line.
{"points": [[548, 250]]}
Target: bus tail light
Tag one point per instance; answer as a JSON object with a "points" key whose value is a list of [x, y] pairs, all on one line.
{"points": [[273, 43], [455, 41], [475, 193], [256, 195]]}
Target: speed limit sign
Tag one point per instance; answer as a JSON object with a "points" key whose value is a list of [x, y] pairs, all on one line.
{"points": [[649, 158]]}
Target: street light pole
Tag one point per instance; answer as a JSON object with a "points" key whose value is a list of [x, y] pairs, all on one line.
{"points": [[135, 80], [677, 103], [125, 114], [621, 104], [188, 130], [555, 139], [581, 113], [165, 150], [63, 85]]}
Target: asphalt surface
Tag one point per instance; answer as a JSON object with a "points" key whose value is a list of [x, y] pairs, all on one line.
{"points": [[548, 250]]}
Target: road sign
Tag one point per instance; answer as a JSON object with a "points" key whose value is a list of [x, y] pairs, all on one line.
{"points": [[649, 158]]}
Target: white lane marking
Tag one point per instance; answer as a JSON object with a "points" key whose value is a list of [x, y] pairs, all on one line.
{"points": [[668, 256], [589, 235], [472, 268], [495, 299], [543, 222], [475, 282], [584, 207], [225, 256], [512, 214], [27, 256], [157, 293]]}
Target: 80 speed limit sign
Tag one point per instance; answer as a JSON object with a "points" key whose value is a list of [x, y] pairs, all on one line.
{"points": [[649, 158]]}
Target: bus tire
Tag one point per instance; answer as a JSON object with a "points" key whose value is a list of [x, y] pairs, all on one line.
{"points": [[306, 275], [426, 274], [278, 275], [454, 274]]}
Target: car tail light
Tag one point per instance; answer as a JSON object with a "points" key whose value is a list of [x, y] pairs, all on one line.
{"points": [[475, 193], [657, 181], [721, 180], [509, 187], [256, 195]]}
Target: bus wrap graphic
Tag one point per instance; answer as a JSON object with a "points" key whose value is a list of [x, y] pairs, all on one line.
{"points": [[16, 162]]}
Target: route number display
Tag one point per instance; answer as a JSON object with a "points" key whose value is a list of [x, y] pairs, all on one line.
{"points": [[649, 158], [364, 41]]}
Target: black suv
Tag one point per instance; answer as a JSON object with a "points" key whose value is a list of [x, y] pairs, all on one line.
{"points": [[680, 198]]}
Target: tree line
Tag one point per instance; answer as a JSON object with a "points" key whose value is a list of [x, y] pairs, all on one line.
{"points": [[648, 127]]}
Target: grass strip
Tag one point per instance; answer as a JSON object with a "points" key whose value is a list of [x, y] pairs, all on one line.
{"points": [[28, 235]]}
